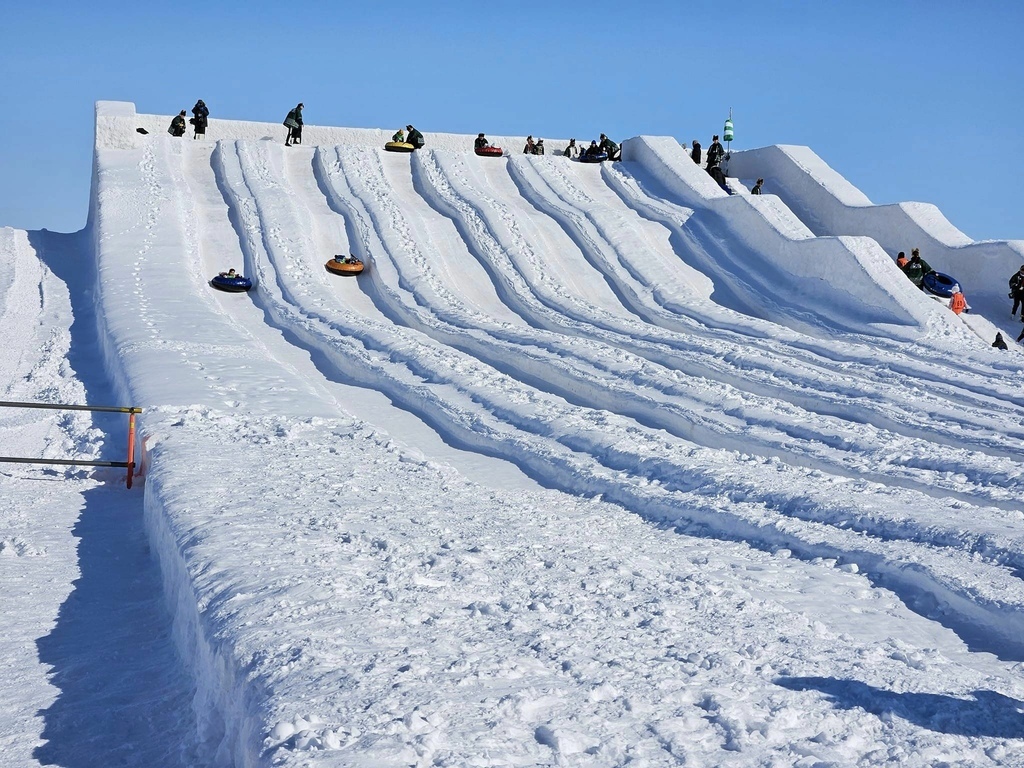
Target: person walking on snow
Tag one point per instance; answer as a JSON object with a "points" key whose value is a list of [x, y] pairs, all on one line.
{"points": [[177, 127], [958, 303], [917, 268], [1017, 292], [294, 123], [200, 119], [414, 137]]}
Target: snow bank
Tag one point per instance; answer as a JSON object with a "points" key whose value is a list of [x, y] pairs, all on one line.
{"points": [[830, 205], [837, 277], [336, 592]]}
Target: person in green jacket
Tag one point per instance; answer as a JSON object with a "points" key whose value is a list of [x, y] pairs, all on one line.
{"points": [[917, 268], [414, 137], [399, 136], [609, 146]]}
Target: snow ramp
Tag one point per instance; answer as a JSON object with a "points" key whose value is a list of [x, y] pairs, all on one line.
{"points": [[395, 513], [830, 205]]}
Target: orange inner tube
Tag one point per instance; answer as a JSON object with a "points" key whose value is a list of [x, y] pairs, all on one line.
{"points": [[344, 268]]}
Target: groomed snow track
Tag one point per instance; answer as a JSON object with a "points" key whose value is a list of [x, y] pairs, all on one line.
{"points": [[624, 332]]}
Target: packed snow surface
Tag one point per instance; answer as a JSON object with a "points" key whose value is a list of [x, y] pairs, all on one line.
{"points": [[594, 465]]}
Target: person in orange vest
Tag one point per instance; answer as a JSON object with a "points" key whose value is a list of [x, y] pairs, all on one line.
{"points": [[958, 303], [901, 260]]}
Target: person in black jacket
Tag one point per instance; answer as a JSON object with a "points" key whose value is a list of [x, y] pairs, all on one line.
{"points": [[177, 127], [757, 187], [480, 142], [200, 119], [999, 343], [294, 123], [715, 153], [1017, 292], [695, 152], [414, 137]]}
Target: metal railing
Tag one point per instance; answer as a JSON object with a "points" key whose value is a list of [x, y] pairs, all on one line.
{"points": [[129, 464]]}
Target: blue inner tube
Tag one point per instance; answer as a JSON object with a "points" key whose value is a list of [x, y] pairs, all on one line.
{"points": [[231, 284], [600, 157], [940, 284]]}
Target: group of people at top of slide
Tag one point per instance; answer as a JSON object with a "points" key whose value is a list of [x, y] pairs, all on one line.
{"points": [[199, 120], [915, 268]]}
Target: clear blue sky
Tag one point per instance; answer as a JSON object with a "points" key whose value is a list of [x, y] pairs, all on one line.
{"points": [[918, 100]]}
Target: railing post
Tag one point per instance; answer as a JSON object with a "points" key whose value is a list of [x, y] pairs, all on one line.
{"points": [[131, 449]]}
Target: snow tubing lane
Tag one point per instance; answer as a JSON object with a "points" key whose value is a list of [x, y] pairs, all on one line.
{"points": [[940, 284], [231, 284], [344, 268]]}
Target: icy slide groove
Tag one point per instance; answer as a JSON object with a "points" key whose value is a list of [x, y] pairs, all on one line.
{"points": [[605, 382], [574, 446]]}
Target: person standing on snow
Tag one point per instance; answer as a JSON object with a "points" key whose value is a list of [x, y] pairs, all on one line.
{"points": [[715, 153], [414, 137], [901, 259], [917, 268], [530, 148], [200, 119], [571, 150], [177, 127], [695, 154], [294, 123], [757, 187], [1017, 292], [958, 302]]}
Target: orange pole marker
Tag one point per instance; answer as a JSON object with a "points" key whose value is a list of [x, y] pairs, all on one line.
{"points": [[131, 449]]}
